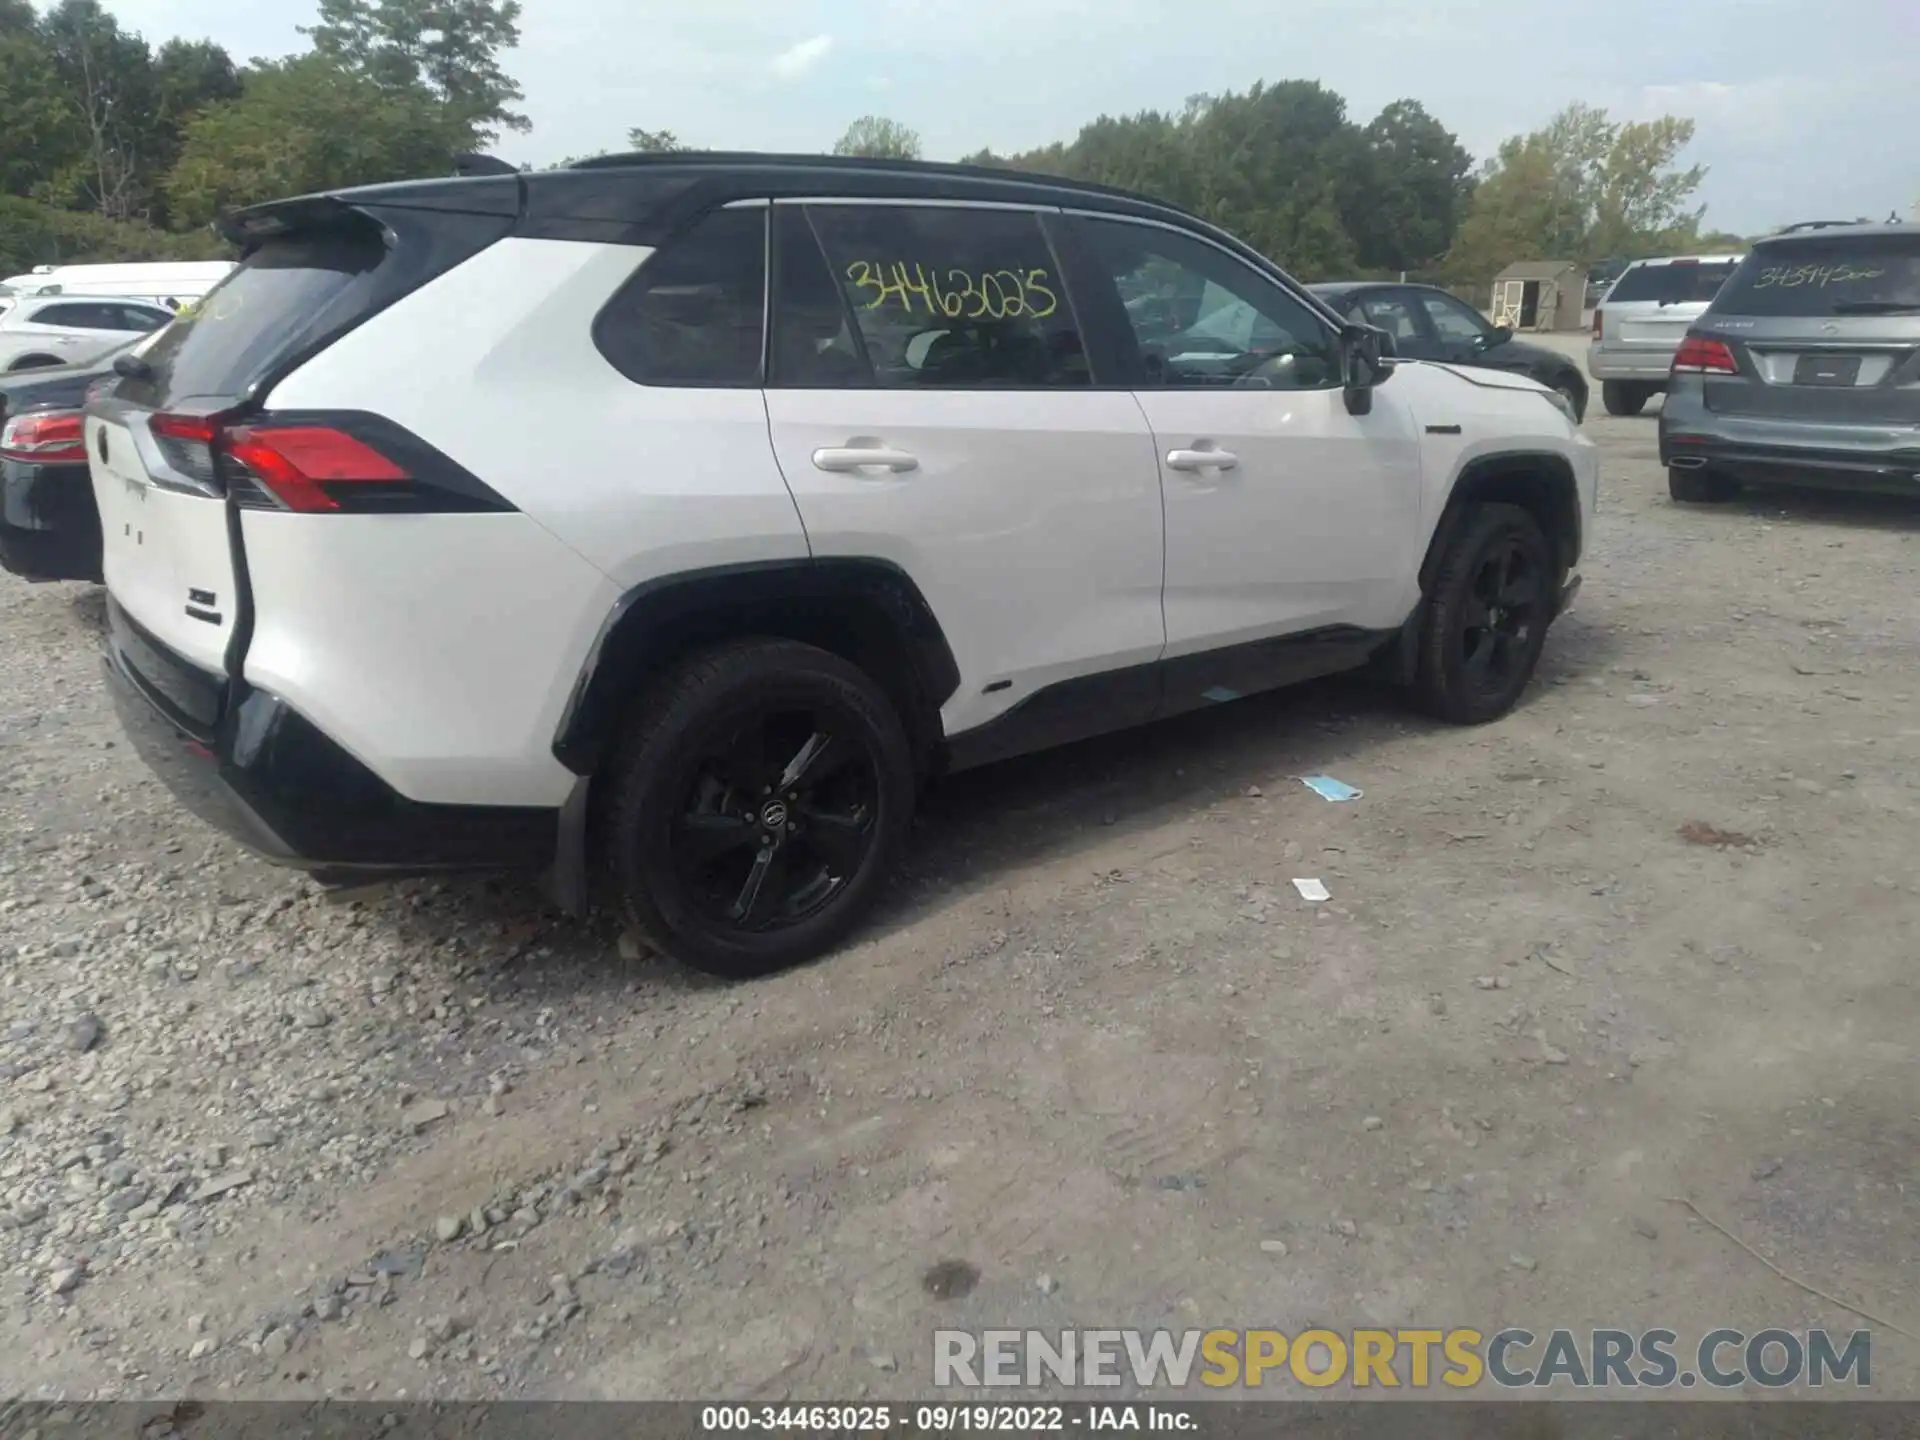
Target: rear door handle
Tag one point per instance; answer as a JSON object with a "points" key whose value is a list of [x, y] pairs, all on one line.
{"points": [[850, 458], [1201, 460]]}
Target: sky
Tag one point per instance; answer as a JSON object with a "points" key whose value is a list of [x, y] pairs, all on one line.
{"points": [[1804, 110]]}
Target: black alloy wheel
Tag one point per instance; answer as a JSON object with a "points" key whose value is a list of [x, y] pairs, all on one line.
{"points": [[757, 805], [1492, 600], [1502, 610], [778, 816]]}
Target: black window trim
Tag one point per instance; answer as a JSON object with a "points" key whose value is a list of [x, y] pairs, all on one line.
{"points": [[1044, 217], [1318, 310]]}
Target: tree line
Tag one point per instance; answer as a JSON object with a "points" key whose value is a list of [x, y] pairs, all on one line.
{"points": [[111, 148]]}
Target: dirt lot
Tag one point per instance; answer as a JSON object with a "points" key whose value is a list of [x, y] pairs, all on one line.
{"points": [[433, 1140]]}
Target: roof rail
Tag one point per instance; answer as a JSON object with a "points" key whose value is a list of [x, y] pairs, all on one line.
{"points": [[667, 159]]}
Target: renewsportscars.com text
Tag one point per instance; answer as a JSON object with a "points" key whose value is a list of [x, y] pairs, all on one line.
{"points": [[1414, 1359]]}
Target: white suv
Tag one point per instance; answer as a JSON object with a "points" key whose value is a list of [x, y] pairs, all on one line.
{"points": [[671, 518], [37, 333]]}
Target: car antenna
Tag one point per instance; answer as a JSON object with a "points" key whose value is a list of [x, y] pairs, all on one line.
{"points": [[467, 165]]}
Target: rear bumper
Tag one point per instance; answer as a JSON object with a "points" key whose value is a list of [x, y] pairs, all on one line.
{"points": [[49, 524], [1881, 459], [264, 775], [1642, 367]]}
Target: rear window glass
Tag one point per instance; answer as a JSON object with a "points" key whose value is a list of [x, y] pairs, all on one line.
{"points": [[1685, 283], [280, 296], [1869, 275]]}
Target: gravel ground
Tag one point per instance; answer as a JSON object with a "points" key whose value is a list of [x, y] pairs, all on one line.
{"points": [[1650, 937]]}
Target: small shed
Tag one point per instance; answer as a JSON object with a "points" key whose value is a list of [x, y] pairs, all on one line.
{"points": [[1540, 295]]}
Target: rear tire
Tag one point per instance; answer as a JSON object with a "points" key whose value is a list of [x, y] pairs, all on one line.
{"points": [[1700, 487], [1621, 398], [1493, 598], [756, 806]]}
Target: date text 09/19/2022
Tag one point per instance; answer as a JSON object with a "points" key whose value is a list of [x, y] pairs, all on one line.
{"points": [[942, 1419]]}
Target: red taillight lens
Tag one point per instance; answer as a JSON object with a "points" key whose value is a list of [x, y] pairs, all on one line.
{"points": [[1700, 356], [1596, 324], [296, 464], [50, 437], [186, 444]]}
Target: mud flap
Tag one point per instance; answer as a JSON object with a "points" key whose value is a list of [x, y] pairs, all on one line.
{"points": [[1398, 661], [566, 882]]}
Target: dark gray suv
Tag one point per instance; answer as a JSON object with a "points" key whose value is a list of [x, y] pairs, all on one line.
{"points": [[1804, 371]]}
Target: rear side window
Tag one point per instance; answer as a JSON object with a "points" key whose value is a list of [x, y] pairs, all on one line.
{"points": [[1865, 275], [695, 313], [284, 291], [1678, 282], [924, 296], [70, 316]]}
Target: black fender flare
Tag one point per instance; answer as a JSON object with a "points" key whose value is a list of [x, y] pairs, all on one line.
{"points": [[662, 618]]}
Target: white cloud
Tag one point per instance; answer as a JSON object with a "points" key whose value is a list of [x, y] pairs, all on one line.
{"points": [[797, 60]]}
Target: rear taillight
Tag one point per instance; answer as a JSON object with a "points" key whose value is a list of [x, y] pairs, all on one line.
{"points": [[1596, 324], [314, 469], [318, 463], [45, 437], [1700, 356], [186, 445]]}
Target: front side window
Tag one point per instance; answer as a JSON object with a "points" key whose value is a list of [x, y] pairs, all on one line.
{"points": [[921, 296], [695, 312], [1202, 318], [1453, 320], [1393, 313]]}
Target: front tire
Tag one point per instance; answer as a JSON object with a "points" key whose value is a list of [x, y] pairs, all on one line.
{"points": [[1621, 398], [1571, 392], [757, 805], [1700, 487], [1487, 616]]}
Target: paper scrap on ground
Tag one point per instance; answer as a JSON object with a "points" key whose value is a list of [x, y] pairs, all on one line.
{"points": [[1312, 890], [1328, 788]]}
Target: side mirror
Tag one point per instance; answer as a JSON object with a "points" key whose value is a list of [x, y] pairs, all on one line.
{"points": [[1365, 361], [1501, 334]]}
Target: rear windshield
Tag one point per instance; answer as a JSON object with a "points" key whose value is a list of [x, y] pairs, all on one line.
{"points": [[1864, 275], [1683, 282], [283, 294]]}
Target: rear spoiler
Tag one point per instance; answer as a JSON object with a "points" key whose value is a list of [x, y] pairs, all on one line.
{"points": [[501, 194]]}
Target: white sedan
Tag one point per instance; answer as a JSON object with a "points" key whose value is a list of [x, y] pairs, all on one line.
{"points": [[39, 331]]}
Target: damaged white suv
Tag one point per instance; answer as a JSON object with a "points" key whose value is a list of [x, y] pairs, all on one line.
{"points": [[674, 517]]}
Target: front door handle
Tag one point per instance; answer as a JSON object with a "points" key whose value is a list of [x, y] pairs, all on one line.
{"points": [[1201, 460], [849, 458]]}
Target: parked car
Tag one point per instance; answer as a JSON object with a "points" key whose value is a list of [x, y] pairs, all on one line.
{"points": [[1428, 323], [702, 506], [1804, 371], [49, 524], [38, 333], [1639, 322]]}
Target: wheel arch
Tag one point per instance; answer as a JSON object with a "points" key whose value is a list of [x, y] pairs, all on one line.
{"points": [[1539, 481], [34, 360], [868, 611]]}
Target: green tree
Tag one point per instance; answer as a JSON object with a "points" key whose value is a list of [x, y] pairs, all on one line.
{"points": [[40, 130], [653, 142], [1411, 192], [1580, 188], [877, 136], [305, 124], [451, 47], [107, 78]]}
